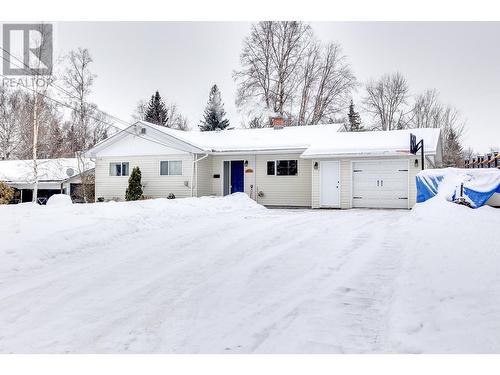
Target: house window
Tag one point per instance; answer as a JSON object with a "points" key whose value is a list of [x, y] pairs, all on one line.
{"points": [[286, 167], [171, 168], [271, 168], [282, 168], [119, 168]]}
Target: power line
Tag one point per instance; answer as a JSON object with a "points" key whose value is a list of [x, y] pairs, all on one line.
{"points": [[25, 67], [90, 116]]}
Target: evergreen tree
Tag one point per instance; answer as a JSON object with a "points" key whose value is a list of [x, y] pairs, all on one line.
{"points": [[134, 190], [354, 120], [452, 149], [213, 118], [156, 112]]}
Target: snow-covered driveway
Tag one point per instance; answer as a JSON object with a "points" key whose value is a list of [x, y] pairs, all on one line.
{"points": [[224, 275]]}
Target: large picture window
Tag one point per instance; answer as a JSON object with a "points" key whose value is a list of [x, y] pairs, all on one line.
{"points": [[282, 168], [119, 168], [171, 168]]}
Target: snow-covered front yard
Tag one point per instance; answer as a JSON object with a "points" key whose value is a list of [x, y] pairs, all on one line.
{"points": [[225, 275]]}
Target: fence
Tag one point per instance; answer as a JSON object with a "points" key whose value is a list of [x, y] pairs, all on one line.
{"points": [[491, 160]]}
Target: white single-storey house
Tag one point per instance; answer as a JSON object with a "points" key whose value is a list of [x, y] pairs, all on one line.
{"points": [[55, 176], [304, 166]]}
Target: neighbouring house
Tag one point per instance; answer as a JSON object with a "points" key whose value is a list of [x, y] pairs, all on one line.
{"points": [[55, 176], [304, 166]]}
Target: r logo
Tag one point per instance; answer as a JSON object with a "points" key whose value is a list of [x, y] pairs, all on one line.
{"points": [[27, 49]]}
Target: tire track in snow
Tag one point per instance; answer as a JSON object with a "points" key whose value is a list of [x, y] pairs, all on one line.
{"points": [[349, 314]]}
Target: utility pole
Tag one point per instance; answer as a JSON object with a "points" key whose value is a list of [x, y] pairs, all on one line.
{"points": [[35, 144]]}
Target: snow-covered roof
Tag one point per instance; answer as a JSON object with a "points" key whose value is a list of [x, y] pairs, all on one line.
{"points": [[313, 141], [21, 171], [394, 142], [265, 139]]}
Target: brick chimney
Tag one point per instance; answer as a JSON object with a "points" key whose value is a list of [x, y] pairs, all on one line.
{"points": [[277, 122]]}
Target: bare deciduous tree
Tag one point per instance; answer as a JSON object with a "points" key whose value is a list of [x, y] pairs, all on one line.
{"points": [[426, 112], [87, 123], [386, 100], [286, 71], [10, 121]]}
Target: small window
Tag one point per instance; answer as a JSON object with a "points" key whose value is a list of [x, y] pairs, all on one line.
{"points": [[118, 169], [171, 168], [271, 168], [286, 167]]}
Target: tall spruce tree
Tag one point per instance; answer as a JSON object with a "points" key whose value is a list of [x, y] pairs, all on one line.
{"points": [[354, 120], [156, 112], [134, 190], [452, 150], [213, 119]]}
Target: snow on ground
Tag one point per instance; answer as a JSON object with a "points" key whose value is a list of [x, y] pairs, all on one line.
{"points": [[225, 275]]}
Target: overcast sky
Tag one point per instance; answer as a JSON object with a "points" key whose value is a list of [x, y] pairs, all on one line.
{"points": [[183, 59]]}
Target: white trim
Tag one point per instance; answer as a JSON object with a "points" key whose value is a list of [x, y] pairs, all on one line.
{"points": [[408, 200], [222, 175], [362, 155]]}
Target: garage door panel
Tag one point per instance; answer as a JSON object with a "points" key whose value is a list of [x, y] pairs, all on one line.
{"points": [[380, 184]]}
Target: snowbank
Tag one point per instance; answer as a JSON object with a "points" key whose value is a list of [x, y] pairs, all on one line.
{"points": [[55, 230], [226, 275], [448, 295], [59, 200], [478, 184]]}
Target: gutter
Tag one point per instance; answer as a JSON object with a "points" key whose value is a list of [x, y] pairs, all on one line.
{"points": [[192, 172]]}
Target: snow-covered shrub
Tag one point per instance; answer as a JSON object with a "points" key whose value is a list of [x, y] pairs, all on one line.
{"points": [[6, 193]]}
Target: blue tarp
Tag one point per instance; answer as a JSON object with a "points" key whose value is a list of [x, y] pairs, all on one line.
{"points": [[428, 184]]}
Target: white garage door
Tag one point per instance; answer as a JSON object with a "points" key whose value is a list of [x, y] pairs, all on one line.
{"points": [[380, 183]]}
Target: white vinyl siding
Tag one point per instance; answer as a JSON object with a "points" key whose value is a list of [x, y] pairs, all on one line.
{"points": [[293, 191], [412, 178], [155, 185], [204, 176]]}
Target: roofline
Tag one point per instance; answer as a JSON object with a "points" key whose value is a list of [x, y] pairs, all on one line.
{"points": [[177, 142], [361, 154], [145, 123], [258, 151]]}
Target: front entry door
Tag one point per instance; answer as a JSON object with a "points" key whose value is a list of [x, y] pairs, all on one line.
{"points": [[329, 184], [237, 176]]}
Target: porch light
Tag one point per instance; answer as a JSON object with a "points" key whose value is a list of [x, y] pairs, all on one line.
{"points": [[246, 163], [415, 163], [316, 165]]}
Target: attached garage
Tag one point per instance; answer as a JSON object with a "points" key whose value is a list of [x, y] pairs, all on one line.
{"points": [[370, 169], [380, 183]]}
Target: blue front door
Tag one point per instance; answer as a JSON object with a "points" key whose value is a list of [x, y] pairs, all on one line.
{"points": [[237, 176]]}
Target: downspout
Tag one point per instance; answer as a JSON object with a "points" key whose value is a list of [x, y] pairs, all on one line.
{"points": [[255, 177], [192, 174]]}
